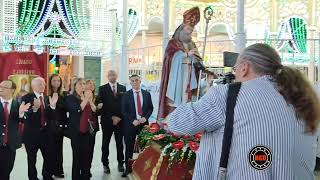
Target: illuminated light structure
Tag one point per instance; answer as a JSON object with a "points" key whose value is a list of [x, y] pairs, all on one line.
{"points": [[9, 10], [292, 39], [63, 23]]}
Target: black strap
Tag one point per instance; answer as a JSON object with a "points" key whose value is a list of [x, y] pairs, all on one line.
{"points": [[233, 91]]}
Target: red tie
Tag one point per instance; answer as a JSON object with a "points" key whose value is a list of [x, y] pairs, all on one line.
{"points": [[139, 104], [114, 90], [42, 121], [6, 118]]}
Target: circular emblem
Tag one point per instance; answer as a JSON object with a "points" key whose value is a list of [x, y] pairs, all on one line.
{"points": [[260, 157]]}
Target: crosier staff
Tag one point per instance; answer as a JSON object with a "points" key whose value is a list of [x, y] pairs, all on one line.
{"points": [[208, 13]]}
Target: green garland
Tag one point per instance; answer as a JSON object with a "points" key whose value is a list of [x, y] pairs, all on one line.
{"points": [[177, 148]]}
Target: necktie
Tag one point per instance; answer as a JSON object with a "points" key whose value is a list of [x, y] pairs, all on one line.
{"points": [[6, 118], [139, 104], [114, 90], [42, 120]]}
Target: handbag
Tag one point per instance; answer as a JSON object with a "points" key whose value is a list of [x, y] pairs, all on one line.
{"points": [[233, 92], [91, 129]]}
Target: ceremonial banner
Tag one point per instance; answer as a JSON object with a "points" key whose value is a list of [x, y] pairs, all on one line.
{"points": [[22, 67]]}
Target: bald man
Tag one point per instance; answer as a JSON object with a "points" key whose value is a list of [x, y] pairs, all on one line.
{"points": [[110, 95], [36, 130]]}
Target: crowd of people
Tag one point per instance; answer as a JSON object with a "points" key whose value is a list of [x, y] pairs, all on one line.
{"points": [[41, 120]]}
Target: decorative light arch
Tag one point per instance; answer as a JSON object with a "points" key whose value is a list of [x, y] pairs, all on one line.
{"points": [[293, 31]]}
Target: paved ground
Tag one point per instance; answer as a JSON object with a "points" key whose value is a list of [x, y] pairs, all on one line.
{"points": [[20, 169]]}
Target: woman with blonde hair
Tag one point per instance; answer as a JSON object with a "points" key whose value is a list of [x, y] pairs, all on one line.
{"points": [[81, 108]]}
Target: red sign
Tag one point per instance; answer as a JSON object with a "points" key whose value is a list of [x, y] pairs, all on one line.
{"points": [[26, 63], [133, 60]]}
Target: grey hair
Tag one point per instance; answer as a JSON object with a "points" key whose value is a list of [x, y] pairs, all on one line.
{"points": [[112, 71], [264, 59], [36, 80]]}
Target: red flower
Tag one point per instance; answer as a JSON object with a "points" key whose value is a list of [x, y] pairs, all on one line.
{"points": [[193, 146], [177, 145], [154, 127], [186, 137], [159, 137], [198, 136]]}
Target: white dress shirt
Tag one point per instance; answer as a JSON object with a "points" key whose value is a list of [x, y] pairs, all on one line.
{"points": [[9, 103], [38, 96], [135, 101]]}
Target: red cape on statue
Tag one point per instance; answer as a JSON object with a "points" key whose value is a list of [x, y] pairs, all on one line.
{"points": [[173, 46]]}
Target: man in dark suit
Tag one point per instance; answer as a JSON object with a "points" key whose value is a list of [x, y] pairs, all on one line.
{"points": [[36, 133], [11, 113], [110, 95], [136, 109]]}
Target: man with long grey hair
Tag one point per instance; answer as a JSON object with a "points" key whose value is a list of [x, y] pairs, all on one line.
{"points": [[276, 116]]}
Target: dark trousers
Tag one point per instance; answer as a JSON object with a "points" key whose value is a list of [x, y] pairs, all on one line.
{"points": [[81, 156], [7, 157], [107, 130], [33, 142], [130, 139], [56, 153], [92, 142]]}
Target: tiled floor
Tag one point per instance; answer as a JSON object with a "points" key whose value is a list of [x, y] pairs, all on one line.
{"points": [[20, 168]]}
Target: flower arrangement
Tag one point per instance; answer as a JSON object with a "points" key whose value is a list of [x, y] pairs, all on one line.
{"points": [[177, 148]]}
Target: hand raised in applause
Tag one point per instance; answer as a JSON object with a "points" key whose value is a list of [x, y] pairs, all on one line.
{"points": [[54, 99], [24, 107], [88, 95], [36, 104]]}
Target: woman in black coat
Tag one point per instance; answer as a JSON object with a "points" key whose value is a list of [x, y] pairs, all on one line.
{"points": [[58, 123], [91, 86], [81, 109]]}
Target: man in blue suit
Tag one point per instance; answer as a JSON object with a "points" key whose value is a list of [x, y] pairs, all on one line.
{"points": [[136, 109]]}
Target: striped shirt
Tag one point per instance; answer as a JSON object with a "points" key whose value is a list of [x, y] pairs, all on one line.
{"points": [[261, 117]]}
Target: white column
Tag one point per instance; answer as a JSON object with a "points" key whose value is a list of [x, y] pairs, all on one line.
{"points": [[311, 51], [240, 38], [78, 66], [310, 35], [166, 9], [123, 71], [113, 40], [144, 28]]}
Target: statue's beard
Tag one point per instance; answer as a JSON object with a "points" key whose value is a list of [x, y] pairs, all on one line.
{"points": [[185, 38]]}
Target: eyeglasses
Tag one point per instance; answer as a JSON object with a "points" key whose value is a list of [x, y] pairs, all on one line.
{"points": [[234, 68]]}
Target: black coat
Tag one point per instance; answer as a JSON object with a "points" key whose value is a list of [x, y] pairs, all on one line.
{"points": [[129, 109], [33, 119], [72, 105], [111, 104], [14, 140], [57, 119]]}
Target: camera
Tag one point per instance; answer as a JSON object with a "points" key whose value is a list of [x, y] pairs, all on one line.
{"points": [[229, 60]]}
